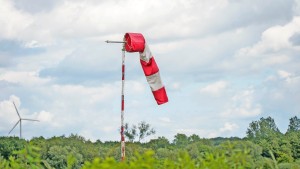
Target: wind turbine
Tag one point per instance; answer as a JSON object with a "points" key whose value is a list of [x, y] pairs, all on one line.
{"points": [[19, 121]]}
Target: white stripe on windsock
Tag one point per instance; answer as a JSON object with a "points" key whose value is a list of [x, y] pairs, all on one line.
{"points": [[152, 75], [154, 81], [146, 55]]}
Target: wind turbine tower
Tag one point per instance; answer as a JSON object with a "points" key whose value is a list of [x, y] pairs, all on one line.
{"points": [[20, 121]]}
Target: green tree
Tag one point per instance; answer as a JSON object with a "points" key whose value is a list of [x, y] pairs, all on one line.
{"points": [[141, 131], [10, 144], [180, 140], [265, 133], [284, 151], [160, 142], [58, 156], [294, 141], [130, 133], [293, 135], [194, 138], [199, 149], [145, 130], [3, 163], [262, 129], [28, 157], [83, 146], [294, 124]]}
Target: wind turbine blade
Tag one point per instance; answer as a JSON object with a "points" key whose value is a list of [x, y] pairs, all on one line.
{"points": [[14, 127], [30, 119], [17, 110]]}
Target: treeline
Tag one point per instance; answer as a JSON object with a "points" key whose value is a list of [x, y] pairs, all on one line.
{"points": [[263, 147]]}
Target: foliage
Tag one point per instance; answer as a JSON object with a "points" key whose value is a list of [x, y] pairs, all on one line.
{"points": [[264, 147], [58, 157], [294, 124], [141, 131], [160, 142], [130, 133], [28, 157], [145, 130], [10, 144], [262, 129], [284, 147], [293, 138], [180, 140]]}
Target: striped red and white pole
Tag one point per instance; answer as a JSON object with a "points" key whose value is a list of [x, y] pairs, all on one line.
{"points": [[122, 105], [122, 98]]}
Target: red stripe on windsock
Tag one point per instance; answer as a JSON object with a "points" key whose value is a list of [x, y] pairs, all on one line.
{"points": [[160, 96], [149, 68]]}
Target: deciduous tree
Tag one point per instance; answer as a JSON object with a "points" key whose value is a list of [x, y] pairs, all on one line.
{"points": [[294, 124], [262, 129], [141, 131]]}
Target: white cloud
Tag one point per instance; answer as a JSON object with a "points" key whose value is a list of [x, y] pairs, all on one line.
{"points": [[273, 49], [108, 129], [297, 7], [206, 133], [45, 116], [77, 19], [13, 22], [275, 60], [290, 78], [165, 47], [188, 131], [176, 85], [33, 44], [29, 78], [226, 130], [73, 19], [165, 119], [92, 94], [7, 110], [215, 88], [243, 105], [229, 127], [283, 74]]}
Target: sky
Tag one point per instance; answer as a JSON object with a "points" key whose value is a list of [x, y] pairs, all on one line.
{"points": [[224, 63]]}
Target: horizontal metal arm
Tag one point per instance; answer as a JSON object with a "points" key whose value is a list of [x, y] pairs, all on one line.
{"points": [[112, 41]]}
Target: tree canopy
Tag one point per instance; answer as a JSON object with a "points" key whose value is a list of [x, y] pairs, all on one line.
{"points": [[263, 147]]}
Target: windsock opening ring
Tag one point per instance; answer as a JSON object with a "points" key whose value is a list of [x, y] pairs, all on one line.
{"points": [[135, 42]]}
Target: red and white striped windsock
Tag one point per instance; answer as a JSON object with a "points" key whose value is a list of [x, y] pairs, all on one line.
{"points": [[135, 42]]}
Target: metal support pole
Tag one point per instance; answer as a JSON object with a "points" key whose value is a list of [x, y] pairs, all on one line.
{"points": [[122, 105], [122, 98]]}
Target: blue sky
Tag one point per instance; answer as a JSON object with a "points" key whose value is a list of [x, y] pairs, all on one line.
{"points": [[225, 63]]}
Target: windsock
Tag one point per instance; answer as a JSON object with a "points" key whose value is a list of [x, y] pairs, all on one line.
{"points": [[135, 42]]}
